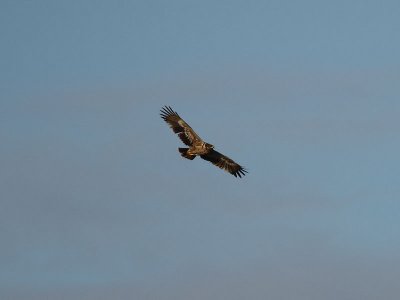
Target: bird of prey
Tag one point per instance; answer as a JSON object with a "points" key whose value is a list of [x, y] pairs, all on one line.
{"points": [[197, 147]]}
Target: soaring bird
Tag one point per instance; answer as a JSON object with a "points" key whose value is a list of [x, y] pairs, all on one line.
{"points": [[197, 147]]}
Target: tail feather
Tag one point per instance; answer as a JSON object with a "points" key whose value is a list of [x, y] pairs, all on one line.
{"points": [[184, 153]]}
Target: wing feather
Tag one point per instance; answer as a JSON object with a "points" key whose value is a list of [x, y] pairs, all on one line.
{"points": [[225, 163], [179, 126]]}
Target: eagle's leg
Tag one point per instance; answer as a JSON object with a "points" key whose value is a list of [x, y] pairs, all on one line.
{"points": [[185, 154]]}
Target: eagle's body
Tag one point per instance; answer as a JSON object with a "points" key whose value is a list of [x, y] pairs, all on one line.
{"points": [[197, 147]]}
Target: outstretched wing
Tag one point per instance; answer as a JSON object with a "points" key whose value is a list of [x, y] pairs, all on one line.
{"points": [[179, 126], [225, 163]]}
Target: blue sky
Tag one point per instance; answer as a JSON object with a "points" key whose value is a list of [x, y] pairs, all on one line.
{"points": [[98, 204]]}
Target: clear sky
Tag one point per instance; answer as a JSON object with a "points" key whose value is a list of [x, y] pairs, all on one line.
{"points": [[96, 202]]}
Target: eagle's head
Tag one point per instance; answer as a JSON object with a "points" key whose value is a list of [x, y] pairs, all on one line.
{"points": [[209, 146]]}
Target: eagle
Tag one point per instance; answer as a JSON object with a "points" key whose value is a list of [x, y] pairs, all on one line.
{"points": [[197, 147]]}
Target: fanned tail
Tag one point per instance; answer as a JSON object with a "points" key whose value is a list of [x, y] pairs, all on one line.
{"points": [[184, 153]]}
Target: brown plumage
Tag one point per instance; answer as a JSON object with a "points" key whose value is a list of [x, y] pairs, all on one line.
{"points": [[197, 147]]}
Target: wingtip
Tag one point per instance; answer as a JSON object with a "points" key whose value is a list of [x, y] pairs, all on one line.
{"points": [[240, 172], [167, 110]]}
